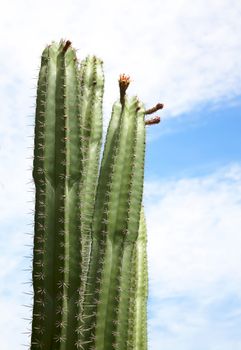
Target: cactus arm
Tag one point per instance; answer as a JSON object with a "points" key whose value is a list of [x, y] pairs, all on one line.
{"points": [[43, 175], [70, 254], [110, 227], [65, 165], [87, 322], [136, 189], [61, 252], [137, 338], [142, 287], [116, 228], [49, 176], [106, 170], [92, 87]]}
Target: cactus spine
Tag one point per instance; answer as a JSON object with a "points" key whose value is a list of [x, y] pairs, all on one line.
{"points": [[89, 256]]}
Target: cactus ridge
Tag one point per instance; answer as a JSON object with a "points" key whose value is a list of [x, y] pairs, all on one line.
{"points": [[42, 279], [89, 257]]}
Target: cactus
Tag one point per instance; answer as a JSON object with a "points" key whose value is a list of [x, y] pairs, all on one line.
{"points": [[89, 255]]}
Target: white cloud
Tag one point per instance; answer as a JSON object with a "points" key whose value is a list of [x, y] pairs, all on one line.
{"points": [[12, 327], [15, 248], [194, 260], [194, 229]]}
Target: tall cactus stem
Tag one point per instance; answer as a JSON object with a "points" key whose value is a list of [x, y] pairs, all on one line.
{"points": [[59, 173]]}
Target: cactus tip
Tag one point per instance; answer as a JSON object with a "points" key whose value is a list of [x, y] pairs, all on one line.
{"points": [[66, 46], [124, 82]]}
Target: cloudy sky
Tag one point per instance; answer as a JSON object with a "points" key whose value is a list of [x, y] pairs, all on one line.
{"points": [[186, 54]]}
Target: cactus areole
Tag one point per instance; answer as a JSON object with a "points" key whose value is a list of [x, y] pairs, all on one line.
{"points": [[89, 257]]}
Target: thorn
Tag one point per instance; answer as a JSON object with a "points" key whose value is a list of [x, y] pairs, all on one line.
{"points": [[26, 319], [28, 293]]}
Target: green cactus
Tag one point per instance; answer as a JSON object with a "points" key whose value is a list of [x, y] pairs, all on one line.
{"points": [[89, 256]]}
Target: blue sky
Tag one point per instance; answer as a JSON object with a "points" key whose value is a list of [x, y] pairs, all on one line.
{"points": [[198, 142], [185, 54]]}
